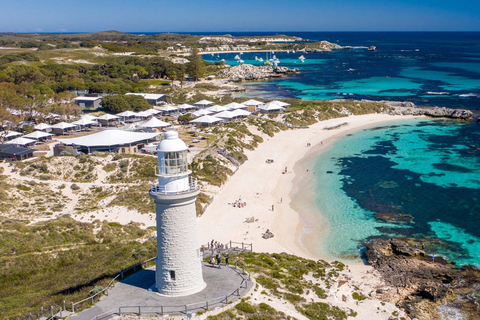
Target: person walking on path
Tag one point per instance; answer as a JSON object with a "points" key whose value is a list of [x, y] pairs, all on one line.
{"points": [[219, 259], [212, 261], [226, 259]]}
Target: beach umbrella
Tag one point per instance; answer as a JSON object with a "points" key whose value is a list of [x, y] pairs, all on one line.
{"points": [[37, 135], [154, 123]]}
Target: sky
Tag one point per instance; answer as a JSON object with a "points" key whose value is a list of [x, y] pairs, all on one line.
{"points": [[238, 15]]}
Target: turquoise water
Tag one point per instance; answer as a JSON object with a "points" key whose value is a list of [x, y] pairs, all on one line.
{"points": [[427, 169], [441, 69]]}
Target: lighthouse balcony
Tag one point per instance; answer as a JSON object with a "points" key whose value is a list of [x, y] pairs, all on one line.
{"points": [[158, 189]]}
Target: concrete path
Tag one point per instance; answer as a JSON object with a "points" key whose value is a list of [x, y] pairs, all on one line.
{"points": [[133, 293]]}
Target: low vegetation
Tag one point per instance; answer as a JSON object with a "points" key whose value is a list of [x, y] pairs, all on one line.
{"points": [[63, 259]]}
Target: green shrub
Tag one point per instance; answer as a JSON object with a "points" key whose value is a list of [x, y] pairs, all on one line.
{"points": [[74, 186], [245, 307], [358, 296], [95, 290]]}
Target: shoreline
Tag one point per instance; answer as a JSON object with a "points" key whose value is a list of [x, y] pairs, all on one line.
{"points": [[293, 228]]}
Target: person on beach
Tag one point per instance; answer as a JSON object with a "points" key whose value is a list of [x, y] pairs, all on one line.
{"points": [[433, 258], [273, 207], [281, 200], [423, 246], [226, 259]]}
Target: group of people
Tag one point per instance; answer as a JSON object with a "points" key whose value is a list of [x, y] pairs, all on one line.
{"points": [[214, 245], [218, 259]]}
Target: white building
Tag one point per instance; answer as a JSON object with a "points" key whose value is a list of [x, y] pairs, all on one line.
{"points": [[178, 265]]}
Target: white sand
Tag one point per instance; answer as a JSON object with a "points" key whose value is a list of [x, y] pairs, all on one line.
{"points": [[295, 222]]}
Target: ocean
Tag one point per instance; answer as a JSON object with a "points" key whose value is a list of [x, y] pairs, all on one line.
{"points": [[427, 68], [417, 179]]}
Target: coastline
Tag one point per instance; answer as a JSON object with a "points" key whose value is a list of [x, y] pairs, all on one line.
{"points": [[296, 230]]}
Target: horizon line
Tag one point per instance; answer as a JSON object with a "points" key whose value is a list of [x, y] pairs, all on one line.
{"points": [[160, 32]]}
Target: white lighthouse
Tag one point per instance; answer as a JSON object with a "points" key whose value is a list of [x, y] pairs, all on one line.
{"points": [[178, 265]]}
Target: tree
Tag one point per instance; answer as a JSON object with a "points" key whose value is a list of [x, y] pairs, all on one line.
{"points": [[196, 68], [120, 103]]}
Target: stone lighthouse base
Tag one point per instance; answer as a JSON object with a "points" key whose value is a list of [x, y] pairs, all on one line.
{"points": [[130, 294]]}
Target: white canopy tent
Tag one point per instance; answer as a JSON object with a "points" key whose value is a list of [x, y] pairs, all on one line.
{"points": [[12, 134], [209, 120], [203, 103], [89, 117], [185, 107], [127, 114], [38, 135], [252, 102], [200, 113], [216, 108], [108, 117], [153, 111], [235, 106], [274, 106], [144, 114], [241, 113], [23, 141], [225, 115], [154, 123], [43, 126], [168, 109]]}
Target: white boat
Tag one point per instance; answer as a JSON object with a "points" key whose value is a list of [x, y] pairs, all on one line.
{"points": [[241, 52], [274, 57], [256, 58], [237, 57], [260, 59], [223, 60], [240, 61]]}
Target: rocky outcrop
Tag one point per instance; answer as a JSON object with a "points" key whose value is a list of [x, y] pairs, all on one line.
{"points": [[408, 108], [320, 46], [419, 284], [246, 72]]}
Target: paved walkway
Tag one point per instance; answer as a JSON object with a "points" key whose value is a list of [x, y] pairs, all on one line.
{"points": [[133, 292]]}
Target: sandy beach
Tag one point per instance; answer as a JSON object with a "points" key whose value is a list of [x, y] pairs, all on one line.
{"points": [[275, 200]]}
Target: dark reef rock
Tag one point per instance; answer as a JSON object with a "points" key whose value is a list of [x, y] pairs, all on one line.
{"points": [[394, 217], [418, 284]]}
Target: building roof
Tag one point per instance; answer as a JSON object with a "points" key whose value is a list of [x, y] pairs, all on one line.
{"points": [[42, 126], [127, 114], [252, 103], [87, 98], [148, 96], [108, 138], [206, 119], [37, 135], [10, 150], [154, 123], [22, 141], [63, 125]]}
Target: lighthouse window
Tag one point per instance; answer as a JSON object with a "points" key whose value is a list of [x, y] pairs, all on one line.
{"points": [[175, 162], [172, 274]]}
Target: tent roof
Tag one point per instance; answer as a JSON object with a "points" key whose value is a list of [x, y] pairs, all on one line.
{"points": [[13, 134], [127, 114], [37, 135], [153, 111], [108, 117], [252, 103], [143, 114], [217, 108], [63, 125], [168, 108], [200, 113], [22, 141], [226, 115], [15, 151], [154, 123], [42, 126], [109, 138], [206, 119], [84, 122], [89, 117], [203, 103], [235, 105], [185, 106], [87, 98], [148, 96], [240, 112]]}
